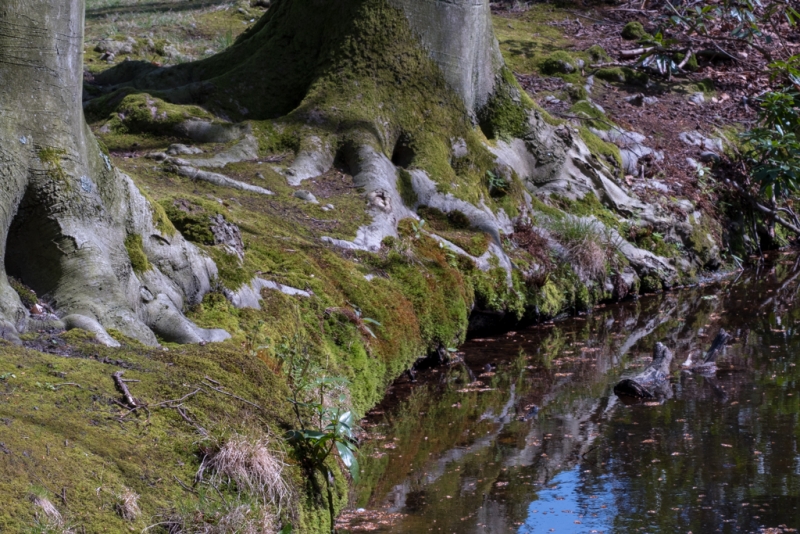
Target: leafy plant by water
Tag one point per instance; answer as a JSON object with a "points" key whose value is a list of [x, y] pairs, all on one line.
{"points": [[324, 421]]}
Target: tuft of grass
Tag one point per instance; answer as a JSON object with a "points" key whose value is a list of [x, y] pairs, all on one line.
{"points": [[584, 242], [127, 505], [52, 520], [251, 466]]}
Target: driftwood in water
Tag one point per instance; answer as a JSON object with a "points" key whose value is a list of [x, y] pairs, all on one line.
{"points": [[708, 362], [652, 382]]}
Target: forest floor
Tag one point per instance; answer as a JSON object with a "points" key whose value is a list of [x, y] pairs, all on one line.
{"points": [[717, 100]]}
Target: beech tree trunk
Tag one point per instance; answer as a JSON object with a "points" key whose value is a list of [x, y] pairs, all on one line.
{"points": [[65, 212]]}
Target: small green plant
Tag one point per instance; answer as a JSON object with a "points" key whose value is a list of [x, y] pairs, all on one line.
{"points": [[226, 40], [417, 228], [324, 423], [6, 376], [497, 184], [360, 320]]}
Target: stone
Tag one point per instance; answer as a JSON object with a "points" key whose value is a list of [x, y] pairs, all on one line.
{"points": [[228, 235], [308, 196], [635, 100], [708, 156], [178, 149], [459, 148], [695, 138], [170, 51], [115, 48], [697, 98]]}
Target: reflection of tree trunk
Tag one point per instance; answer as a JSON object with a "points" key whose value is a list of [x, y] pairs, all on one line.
{"points": [[69, 221]]}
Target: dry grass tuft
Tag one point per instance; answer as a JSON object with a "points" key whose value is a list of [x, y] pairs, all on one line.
{"points": [[127, 505], [252, 467], [52, 515], [590, 257], [586, 243]]}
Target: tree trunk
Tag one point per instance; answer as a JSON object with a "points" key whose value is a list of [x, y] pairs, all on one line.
{"points": [[69, 221]]}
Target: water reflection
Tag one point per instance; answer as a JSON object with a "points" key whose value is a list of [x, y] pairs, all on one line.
{"points": [[540, 442]]}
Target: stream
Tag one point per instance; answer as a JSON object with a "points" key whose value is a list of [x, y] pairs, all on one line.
{"points": [[526, 435]]}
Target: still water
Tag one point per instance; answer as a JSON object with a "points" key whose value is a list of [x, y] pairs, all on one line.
{"points": [[527, 435]]}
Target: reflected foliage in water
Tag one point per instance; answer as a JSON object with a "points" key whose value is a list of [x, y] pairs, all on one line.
{"points": [[527, 435]]}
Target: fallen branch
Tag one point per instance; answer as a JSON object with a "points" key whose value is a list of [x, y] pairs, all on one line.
{"points": [[764, 209], [638, 51], [120, 383]]}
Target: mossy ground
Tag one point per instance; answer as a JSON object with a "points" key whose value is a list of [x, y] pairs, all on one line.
{"points": [[66, 431]]}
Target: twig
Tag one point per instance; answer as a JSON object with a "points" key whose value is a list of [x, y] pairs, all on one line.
{"points": [[637, 51], [195, 392], [764, 209], [218, 390], [213, 381], [132, 402], [687, 57], [186, 418], [67, 384], [184, 486]]}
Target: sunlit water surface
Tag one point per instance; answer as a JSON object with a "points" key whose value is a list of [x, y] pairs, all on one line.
{"points": [[464, 449]]}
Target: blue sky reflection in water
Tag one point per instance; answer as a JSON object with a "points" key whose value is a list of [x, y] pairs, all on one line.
{"points": [[464, 450], [565, 507]]}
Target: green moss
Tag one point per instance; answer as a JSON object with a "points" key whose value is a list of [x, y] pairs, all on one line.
{"points": [[635, 30], [232, 272], [597, 53], [526, 39], [691, 65], [406, 188], [550, 299], [650, 284], [588, 206], [623, 75], [506, 114], [608, 151], [51, 159], [78, 335], [610, 74], [134, 246], [26, 294], [191, 218], [701, 239], [594, 117], [127, 111], [635, 77], [558, 62], [577, 92], [276, 138], [92, 446]]}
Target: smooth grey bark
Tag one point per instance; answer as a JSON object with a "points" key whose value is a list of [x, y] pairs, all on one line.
{"points": [[459, 37], [65, 212]]}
